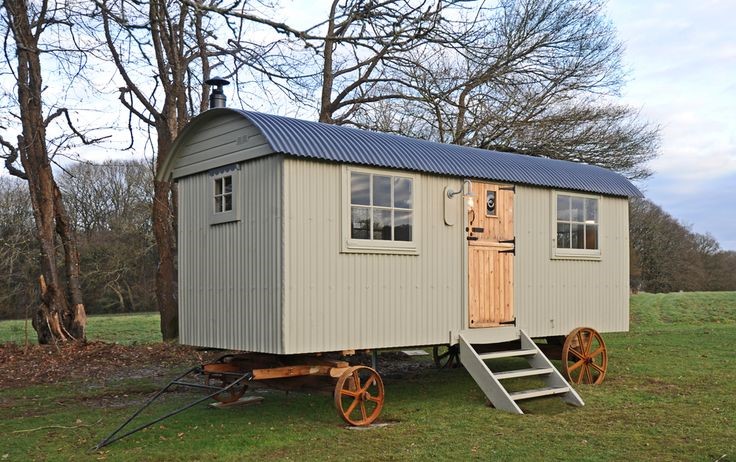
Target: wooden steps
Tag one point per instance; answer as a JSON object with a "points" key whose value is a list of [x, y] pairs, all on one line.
{"points": [[538, 392], [523, 373], [540, 366]]}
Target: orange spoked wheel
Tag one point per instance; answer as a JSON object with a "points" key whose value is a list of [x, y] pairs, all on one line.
{"points": [[359, 396], [584, 356]]}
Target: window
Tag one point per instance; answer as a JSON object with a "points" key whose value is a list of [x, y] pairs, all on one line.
{"points": [[575, 226], [380, 212], [223, 194]]}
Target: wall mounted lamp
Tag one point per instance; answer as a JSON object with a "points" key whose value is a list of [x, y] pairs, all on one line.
{"points": [[468, 196]]}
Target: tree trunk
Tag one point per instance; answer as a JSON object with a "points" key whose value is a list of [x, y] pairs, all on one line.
{"points": [[55, 319], [163, 231], [328, 73]]}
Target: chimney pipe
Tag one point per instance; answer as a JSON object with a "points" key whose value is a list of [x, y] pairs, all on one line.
{"points": [[217, 96]]}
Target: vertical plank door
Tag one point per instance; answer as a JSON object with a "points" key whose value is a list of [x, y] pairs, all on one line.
{"points": [[490, 235]]}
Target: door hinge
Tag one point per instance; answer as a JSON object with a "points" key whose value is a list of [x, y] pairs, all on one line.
{"points": [[512, 251], [507, 188], [511, 322]]}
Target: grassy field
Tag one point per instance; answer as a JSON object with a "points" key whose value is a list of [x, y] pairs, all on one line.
{"points": [[669, 395], [121, 328]]}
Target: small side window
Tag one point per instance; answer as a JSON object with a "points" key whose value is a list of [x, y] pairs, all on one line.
{"points": [[224, 194]]}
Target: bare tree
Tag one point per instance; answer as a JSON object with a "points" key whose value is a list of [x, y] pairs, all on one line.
{"points": [[164, 51], [61, 314], [17, 249], [110, 205], [537, 77]]}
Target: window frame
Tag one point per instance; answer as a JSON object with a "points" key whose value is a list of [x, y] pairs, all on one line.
{"points": [[370, 246], [573, 254], [233, 171]]}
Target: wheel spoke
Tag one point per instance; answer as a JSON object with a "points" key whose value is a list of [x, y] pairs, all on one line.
{"points": [[580, 375], [356, 380], [350, 393], [581, 345], [588, 375], [597, 367], [352, 406], [598, 351], [576, 365], [576, 353], [375, 399], [362, 410], [587, 340], [371, 380]]}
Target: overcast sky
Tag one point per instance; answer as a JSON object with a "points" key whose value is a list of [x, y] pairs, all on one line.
{"points": [[681, 62], [681, 57]]}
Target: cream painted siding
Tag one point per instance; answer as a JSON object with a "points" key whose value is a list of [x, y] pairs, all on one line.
{"points": [[230, 274], [554, 296], [337, 301]]}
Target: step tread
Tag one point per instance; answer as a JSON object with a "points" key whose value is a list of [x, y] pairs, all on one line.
{"points": [[523, 373], [536, 392], [507, 354]]}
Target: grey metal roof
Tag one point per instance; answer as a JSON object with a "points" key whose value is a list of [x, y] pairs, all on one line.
{"points": [[316, 140]]}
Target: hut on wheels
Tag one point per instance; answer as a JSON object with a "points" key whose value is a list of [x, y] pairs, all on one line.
{"points": [[297, 237]]}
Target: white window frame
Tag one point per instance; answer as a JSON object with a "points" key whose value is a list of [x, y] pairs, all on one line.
{"points": [[573, 254], [350, 245], [233, 171]]}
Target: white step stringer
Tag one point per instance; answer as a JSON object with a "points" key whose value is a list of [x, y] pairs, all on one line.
{"points": [[490, 382]]}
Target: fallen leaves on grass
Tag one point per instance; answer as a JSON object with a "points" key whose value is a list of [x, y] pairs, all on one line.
{"points": [[90, 361]]}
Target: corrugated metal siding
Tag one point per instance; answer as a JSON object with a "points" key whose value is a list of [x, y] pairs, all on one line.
{"points": [[349, 145], [230, 274], [336, 301], [554, 296], [226, 139]]}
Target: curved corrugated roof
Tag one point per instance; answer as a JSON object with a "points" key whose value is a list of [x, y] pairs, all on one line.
{"points": [[336, 143]]}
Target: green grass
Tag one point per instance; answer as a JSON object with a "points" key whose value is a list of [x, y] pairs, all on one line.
{"points": [[121, 328], [669, 395]]}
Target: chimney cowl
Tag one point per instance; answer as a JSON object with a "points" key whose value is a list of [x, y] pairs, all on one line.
{"points": [[217, 96]]}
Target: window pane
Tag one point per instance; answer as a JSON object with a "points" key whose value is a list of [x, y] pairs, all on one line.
{"points": [[218, 204], [591, 210], [228, 204], [360, 184], [491, 203], [402, 225], [382, 191], [577, 232], [576, 209], [360, 223], [218, 186], [228, 180], [563, 235], [402, 193], [591, 237], [381, 225], [563, 208]]}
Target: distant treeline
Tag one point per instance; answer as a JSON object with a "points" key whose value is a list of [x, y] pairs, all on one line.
{"points": [[667, 256], [110, 205]]}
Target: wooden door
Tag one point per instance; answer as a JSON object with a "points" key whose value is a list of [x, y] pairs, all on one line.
{"points": [[490, 235]]}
